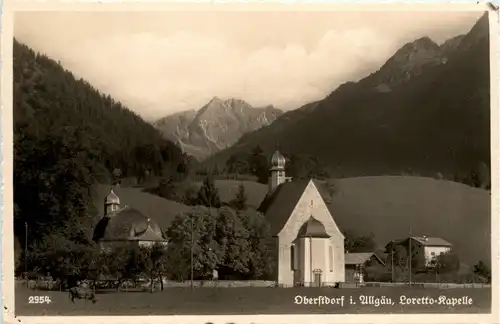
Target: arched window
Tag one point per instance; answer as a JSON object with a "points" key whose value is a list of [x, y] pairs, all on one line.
{"points": [[330, 257]]}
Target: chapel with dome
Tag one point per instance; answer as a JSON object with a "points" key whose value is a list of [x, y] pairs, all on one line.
{"points": [[125, 225]]}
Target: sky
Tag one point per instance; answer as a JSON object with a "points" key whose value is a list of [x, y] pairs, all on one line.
{"points": [[159, 63]]}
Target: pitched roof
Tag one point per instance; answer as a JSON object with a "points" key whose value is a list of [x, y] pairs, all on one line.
{"points": [[313, 228], [427, 241], [360, 258], [279, 205], [431, 241]]}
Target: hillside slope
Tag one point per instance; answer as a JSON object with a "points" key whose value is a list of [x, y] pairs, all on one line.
{"points": [[390, 206], [426, 111], [385, 206], [216, 126]]}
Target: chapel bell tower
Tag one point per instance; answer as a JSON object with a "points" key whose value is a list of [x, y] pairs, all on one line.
{"points": [[277, 171], [111, 204]]}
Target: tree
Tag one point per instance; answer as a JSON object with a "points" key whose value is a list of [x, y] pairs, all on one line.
{"points": [[177, 264], [482, 270], [18, 253], [116, 261], [355, 244], [239, 202], [200, 224], [225, 240], [302, 166], [208, 195], [238, 163], [448, 262], [374, 271], [151, 261], [261, 262], [65, 260], [259, 165], [233, 237]]}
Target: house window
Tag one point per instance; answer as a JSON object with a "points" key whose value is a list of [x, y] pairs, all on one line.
{"points": [[330, 254], [292, 257], [433, 253]]}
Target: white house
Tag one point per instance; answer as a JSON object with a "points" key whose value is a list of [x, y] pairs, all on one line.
{"points": [[428, 248], [424, 249], [307, 242]]}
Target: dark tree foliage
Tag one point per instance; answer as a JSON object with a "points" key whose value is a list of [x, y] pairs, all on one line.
{"points": [[67, 137], [300, 166], [231, 242], [357, 244], [239, 202], [208, 195], [259, 165], [448, 262], [256, 163], [482, 270], [239, 163]]}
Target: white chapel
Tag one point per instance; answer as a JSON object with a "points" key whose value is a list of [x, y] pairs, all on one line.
{"points": [[308, 244]]}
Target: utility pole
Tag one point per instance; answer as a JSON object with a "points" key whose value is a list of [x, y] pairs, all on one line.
{"points": [[410, 257], [26, 252], [192, 245]]}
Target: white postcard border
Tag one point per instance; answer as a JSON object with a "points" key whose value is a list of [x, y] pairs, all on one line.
{"points": [[6, 91]]}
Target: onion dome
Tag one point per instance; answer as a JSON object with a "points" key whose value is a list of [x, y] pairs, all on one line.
{"points": [[128, 224], [112, 199], [278, 160], [313, 228]]}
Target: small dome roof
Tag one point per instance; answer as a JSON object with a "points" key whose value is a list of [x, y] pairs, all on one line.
{"points": [[128, 224], [313, 228], [278, 160], [112, 198]]}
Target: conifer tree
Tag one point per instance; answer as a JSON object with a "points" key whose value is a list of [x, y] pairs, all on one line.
{"points": [[239, 202], [208, 195]]}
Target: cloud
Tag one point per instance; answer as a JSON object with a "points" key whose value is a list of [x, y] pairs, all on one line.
{"points": [[159, 73]]}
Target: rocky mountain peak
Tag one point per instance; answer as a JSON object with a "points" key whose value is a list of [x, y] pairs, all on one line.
{"points": [[217, 125], [410, 61]]}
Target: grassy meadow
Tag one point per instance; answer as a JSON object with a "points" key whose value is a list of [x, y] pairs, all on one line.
{"points": [[209, 301], [387, 206]]}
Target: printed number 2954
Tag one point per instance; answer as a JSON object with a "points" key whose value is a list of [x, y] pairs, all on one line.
{"points": [[39, 300]]}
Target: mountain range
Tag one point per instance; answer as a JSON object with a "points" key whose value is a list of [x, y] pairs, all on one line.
{"points": [[216, 126], [425, 111]]}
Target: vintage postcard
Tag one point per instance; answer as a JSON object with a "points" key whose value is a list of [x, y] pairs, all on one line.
{"points": [[250, 163]]}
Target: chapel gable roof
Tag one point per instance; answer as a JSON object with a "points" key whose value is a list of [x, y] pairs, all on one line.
{"points": [[279, 204]]}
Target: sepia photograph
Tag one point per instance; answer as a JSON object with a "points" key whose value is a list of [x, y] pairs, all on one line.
{"points": [[245, 162]]}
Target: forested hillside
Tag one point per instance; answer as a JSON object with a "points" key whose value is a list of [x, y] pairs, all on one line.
{"points": [[67, 137]]}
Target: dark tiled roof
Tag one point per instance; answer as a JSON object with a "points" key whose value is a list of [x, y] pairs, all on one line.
{"points": [[127, 224], [360, 258], [313, 228], [278, 205], [431, 241], [427, 241]]}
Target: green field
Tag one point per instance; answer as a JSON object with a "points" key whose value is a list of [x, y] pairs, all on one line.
{"points": [[386, 206], [208, 301]]}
